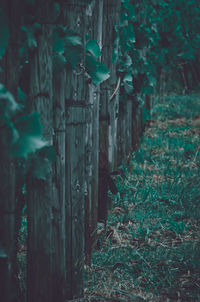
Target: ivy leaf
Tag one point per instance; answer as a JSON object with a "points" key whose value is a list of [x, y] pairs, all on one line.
{"points": [[128, 86], [40, 164], [59, 62], [29, 135], [40, 168], [128, 77], [125, 63], [29, 124], [91, 63], [130, 10], [8, 105], [73, 40], [128, 82], [97, 70], [58, 43], [48, 152], [100, 75], [93, 47], [130, 33], [4, 33], [73, 55]]}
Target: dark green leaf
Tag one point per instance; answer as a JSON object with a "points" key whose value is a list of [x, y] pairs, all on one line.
{"points": [[100, 75], [73, 40], [93, 47], [48, 152], [29, 125], [58, 43], [73, 55], [8, 106], [41, 168]]}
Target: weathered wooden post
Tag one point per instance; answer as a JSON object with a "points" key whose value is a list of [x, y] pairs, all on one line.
{"points": [[10, 78], [59, 172], [108, 106], [125, 125], [75, 107], [94, 19], [40, 195]]}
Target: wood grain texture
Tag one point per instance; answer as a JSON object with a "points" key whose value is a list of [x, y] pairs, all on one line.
{"points": [[75, 107], [94, 13], [8, 247], [40, 193]]}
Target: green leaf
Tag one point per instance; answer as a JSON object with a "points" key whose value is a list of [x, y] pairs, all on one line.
{"points": [[130, 33], [27, 144], [48, 152], [73, 55], [73, 40], [97, 70], [29, 135], [128, 82], [4, 33], [59, 62], [101, 74], [29, 124], [8, 105], [128, 86], [91, 63], [93, 47], [58, 43], [128, 77], [40, 168]]}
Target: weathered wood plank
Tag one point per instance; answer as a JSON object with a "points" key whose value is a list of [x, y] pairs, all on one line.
{"points": [[59, 230], [40, 193], [74, 16], [108, 110], [75, 189], [94, 13], [10, 78]]}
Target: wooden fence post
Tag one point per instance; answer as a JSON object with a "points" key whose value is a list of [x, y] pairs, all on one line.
{"points": [[40, 193], [75, 158], [125, 125], [94, 18], [108, 109], [10, 78], [59, 226]]}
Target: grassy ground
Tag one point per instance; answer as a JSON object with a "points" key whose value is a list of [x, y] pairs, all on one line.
{"points": [[151, 250]]}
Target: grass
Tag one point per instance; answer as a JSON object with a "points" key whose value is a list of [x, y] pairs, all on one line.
{"points": [[151, 248]]}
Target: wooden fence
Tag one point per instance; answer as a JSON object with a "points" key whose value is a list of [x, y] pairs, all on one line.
{"points": [[93, 132]]}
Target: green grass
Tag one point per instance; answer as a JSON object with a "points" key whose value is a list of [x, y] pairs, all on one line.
{"points": [[151, 250]]}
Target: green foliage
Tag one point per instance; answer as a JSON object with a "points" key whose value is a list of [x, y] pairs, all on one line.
{"points": [[28, 135], [97, 70], [8, 106], [93, 47], [156, 36], [67, 47], [25, 131]]}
